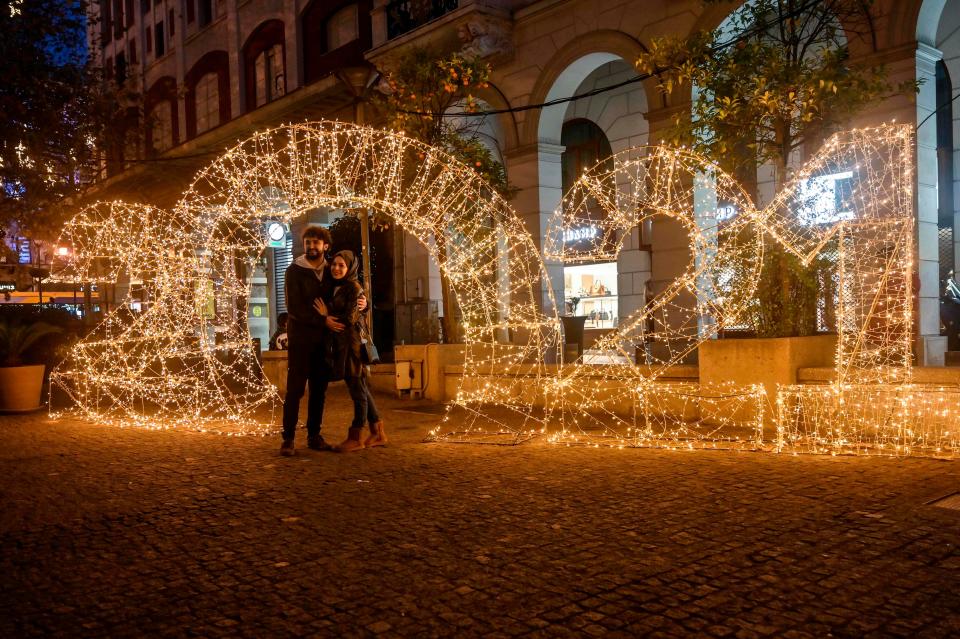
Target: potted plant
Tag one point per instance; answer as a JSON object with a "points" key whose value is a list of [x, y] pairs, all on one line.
{"points": [[21, 377]]}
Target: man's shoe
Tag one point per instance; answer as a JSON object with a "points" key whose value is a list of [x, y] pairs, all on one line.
{"points": [[287, 449], [316, 442], [377, 436]]}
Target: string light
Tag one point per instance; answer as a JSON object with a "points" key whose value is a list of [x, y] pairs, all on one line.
{"points": [[186, 359]]}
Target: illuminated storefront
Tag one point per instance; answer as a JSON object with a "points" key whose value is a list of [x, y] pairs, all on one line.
{"points": [[589, 287]]}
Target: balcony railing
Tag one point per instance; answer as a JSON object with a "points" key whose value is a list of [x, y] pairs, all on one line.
{"points": [[404, 16]]}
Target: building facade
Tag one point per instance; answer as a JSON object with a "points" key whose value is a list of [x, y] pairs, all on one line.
{"points": [[211, 72]]}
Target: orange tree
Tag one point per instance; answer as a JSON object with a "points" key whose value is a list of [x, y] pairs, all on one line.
{"points": [[430, 98], [777, 79]]}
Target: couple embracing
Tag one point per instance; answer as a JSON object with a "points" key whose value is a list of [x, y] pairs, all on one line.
{"points": [[326, 328]]}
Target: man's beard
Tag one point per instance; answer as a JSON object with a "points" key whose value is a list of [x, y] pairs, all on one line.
{"points": [[313, 254]]}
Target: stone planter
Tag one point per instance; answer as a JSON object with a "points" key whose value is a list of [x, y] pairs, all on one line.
{"points": [[20, 388], [770, 361]]}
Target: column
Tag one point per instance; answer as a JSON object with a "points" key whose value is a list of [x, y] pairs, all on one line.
{"points": [[931, 346], [535, 170]]}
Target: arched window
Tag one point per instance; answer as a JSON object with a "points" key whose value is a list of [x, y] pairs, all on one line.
{"points": [[208, 93], [264, 55], [208, 102], [335, 35], [585, 145], [160, 105], [270, 80], [341, 27], [161, 127]]}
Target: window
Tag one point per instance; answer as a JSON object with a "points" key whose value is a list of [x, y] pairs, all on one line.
{"points": [[160, 40], [149, 41], [204, 12], [172, 22], [268, 69], [117, 19], [341, 27], [335, 35], [191, 11], [208, 102], [144, 6], [207, 95], [161, 126], [121, 68], [133, 50], [128, 11], [264, 66], [825, 199], [106, 22]]}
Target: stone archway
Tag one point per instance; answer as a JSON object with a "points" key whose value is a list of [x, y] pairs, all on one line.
{"points": [[593, 61]]}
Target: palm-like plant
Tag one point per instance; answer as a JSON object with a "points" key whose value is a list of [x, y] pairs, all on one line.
{"points": [[16, 338]]}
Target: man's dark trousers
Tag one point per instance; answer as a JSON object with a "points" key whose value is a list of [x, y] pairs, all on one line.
{"points": [[306, 365]]}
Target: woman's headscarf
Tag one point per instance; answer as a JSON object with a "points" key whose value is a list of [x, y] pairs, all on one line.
{"points": [[353, 265]]}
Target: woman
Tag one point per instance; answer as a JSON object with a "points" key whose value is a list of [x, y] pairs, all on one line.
{"points": [[344, 351]]}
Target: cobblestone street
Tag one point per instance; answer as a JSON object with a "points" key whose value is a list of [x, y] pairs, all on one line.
{"points": [[124, 533]]}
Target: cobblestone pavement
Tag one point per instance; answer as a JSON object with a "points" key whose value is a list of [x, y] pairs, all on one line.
{"points": [[123, 532]]}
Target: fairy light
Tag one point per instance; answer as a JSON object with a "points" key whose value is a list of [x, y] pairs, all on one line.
{"points": [[872, 406], [185, 361]]}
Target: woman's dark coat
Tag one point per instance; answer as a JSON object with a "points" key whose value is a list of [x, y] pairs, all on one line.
{"points": [[343, 348]]}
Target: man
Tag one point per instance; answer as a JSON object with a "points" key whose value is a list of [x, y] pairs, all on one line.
{"points": [[308, 278]]}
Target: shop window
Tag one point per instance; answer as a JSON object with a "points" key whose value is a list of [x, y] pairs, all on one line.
{"points": [[341, 28], [161, 126], [207, 94], [590, 287], [590, 290]]}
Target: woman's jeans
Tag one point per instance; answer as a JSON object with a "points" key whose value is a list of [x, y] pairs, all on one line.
{"points": [[364, 408]]}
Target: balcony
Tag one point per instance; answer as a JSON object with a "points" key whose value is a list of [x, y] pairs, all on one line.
{"points": [[404, 16], [474, 27]]}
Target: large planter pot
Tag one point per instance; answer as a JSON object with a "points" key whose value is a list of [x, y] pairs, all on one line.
{"points": [[20, 388], [770, 361]]}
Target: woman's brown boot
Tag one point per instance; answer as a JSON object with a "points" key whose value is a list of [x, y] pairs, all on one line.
{"points": [[351, 443], [377, 436]]}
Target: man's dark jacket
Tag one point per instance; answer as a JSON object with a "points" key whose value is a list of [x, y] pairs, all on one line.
{"points": [[303, 286]]}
